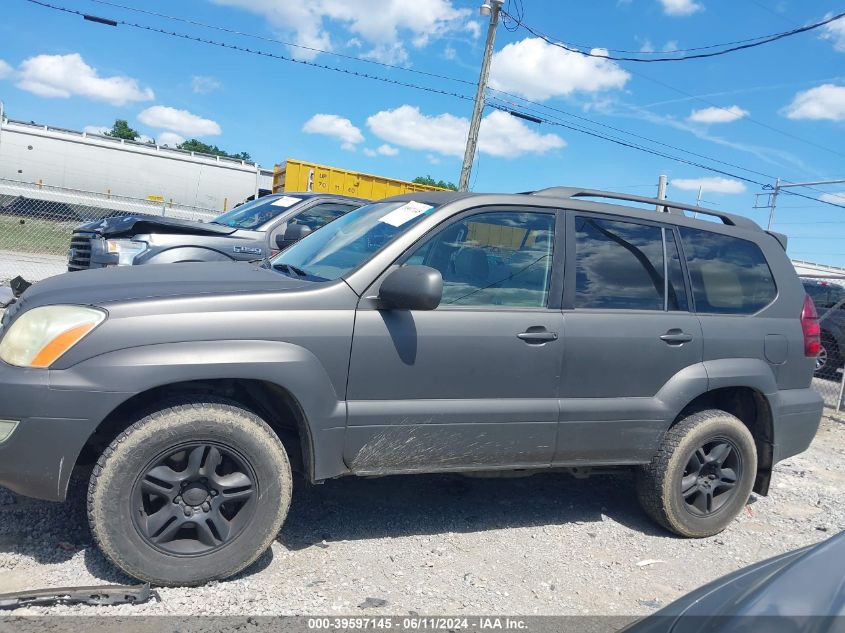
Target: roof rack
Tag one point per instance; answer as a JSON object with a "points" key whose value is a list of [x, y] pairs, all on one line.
{"points": [[671, 206]]}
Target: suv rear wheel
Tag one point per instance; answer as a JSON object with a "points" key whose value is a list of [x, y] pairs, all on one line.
{"points": [[701, 476], [193, 492]]}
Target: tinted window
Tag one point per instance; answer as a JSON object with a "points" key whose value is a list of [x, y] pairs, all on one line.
{"points": [[676, 292], [618, 265], [321, 214], [729, 275], [493, 259], [252, 215]]}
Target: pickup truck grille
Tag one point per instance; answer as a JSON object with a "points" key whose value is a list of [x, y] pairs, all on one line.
{"points": [[79, 255]]}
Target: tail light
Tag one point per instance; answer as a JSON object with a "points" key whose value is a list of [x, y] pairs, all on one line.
{"points": [[812, 329]]}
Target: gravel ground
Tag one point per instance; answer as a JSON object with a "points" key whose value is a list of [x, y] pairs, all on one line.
{"points": [[547, 544]]}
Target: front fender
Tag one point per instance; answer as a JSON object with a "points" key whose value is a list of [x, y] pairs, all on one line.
{"points": [[136, 370]]}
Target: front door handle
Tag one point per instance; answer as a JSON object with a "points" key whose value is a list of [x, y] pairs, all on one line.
{"points": [[537, 335], [676, 337]]}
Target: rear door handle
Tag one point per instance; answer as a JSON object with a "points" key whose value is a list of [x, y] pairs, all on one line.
{"points": [[537, 336], [676, 337]]}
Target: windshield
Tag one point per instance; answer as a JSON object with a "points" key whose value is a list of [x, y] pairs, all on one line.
{"points": [[343, 245], [254, 214]]}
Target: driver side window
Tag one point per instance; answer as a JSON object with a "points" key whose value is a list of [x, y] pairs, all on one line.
{"points": [[493, 259]]}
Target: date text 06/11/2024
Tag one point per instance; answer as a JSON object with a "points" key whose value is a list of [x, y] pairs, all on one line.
{"points": [[419, 623]]}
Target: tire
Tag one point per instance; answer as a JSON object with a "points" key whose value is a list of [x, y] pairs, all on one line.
{"points": [[675, 495], [190, 493], [828, 360]]}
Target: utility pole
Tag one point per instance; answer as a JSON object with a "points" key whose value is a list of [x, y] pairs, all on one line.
{"points": [[773, 197], [662, 181], [491, 8]]}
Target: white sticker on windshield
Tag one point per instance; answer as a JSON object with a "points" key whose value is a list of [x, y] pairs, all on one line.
{"points": [[406, 213], [285, 201]]}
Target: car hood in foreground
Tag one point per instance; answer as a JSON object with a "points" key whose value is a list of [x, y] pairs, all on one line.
{"points": [[127, 283], [143, 225], [787, 592]]}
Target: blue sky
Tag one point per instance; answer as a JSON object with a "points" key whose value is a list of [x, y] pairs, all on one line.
{"points": [[777, 109]]}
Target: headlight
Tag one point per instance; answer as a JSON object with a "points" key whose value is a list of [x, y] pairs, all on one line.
{"points": [[126, 250], [39, 337]]}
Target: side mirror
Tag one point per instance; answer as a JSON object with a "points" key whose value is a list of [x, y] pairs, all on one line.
{"points": [[411, 288], [293, 233]]}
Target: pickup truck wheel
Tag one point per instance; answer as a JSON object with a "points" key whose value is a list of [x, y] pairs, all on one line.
{"points": [[193, 492], [701, 476], [828, 360]]}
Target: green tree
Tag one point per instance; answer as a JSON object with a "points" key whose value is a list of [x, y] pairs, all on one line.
{"points": [[121, 129], [431, 182], [193, 145]]}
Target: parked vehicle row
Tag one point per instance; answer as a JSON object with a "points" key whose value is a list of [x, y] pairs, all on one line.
{"points": [[252, 231], [433, 332], [829, 299]]}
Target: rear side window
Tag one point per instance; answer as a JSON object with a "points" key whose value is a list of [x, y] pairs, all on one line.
{"points": [[619, 265], [729, 275]]}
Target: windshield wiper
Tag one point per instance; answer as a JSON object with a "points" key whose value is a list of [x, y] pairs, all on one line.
{"points": [[288, 268]]}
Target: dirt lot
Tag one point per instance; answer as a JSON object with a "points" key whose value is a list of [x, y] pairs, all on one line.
{"points": [[547, 544]]}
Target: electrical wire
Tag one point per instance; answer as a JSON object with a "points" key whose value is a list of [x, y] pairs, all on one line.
{"points": [[731, 49], [262, 53], [275, 41], [519, 11], [548, 120]]}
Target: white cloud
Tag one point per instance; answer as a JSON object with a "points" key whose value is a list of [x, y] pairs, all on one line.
{"points": [[336, 127], [681, 7], [715, 184], [384, 24], [171, 139], [501, 134], [822, 102], [202, 85], [835, 32], [669, 47], [834, 198], [538, 70], [181, 121], [96, 129], [64, 76], [717, 115], [387, 150], [5, 70]]}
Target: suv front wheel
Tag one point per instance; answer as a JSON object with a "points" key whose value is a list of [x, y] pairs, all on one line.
{"points": [[701, 476], [193, 492]]}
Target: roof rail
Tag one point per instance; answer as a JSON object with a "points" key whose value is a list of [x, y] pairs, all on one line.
{"points": [[671, 206]]}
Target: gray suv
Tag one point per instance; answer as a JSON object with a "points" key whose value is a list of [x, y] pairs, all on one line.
{"points": [[439, 332]]}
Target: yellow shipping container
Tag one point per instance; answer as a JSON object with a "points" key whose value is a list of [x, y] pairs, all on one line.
{"points": [[297, 175]]}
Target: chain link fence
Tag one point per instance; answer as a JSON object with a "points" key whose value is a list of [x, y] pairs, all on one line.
{"points": [[36, 222]]}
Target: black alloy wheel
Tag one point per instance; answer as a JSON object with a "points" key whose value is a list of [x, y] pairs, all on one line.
{"points": [[711, 476], [194, 499]]}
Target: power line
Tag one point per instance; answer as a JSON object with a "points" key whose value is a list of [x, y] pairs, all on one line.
{"points": [[261, 53], [520, 13], [456, 95], [275, 41], [747, 118], [758, 42]]}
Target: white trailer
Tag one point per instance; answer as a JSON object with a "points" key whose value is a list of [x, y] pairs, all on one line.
{"points": [[55, 157]]}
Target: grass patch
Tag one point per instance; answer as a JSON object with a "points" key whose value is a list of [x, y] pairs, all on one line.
{"points": [[28, 235]]}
